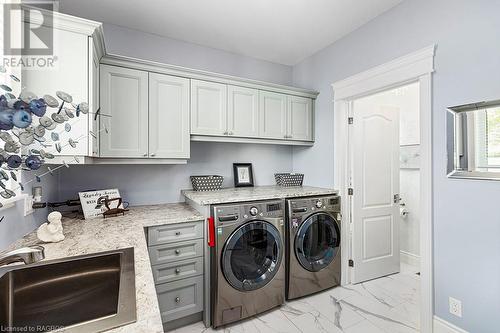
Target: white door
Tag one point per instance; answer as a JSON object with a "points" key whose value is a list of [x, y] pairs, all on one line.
{"points": [[242, 112], [168, 116], [300, 118], [375, 182], [208, 108], [272, 115], [124, 96]]}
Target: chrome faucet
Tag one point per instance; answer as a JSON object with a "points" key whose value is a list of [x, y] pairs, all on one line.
{"points": [[28, 255]]}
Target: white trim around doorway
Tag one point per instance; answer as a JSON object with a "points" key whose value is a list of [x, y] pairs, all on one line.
{"points": [[415, 67]]}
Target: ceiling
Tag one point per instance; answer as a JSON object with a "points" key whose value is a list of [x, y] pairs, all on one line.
{"points": [[281, 31]]}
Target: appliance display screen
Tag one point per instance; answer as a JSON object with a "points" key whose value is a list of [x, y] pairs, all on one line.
{"points": [[273, 207]]}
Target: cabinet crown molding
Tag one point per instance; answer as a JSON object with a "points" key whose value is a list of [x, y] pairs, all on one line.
{"points": [[157, 67]]}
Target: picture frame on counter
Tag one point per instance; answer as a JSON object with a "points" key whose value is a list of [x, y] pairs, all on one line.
{"points": [[243, 175]]}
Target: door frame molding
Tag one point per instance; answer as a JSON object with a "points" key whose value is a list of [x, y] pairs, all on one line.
{"points": [[414, 67]]}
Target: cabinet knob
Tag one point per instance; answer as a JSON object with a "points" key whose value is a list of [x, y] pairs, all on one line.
{"points": [[177, 251], [153, 154], [225, 133], [145, 154], [177, 271], [177, 299], [177, 233]]}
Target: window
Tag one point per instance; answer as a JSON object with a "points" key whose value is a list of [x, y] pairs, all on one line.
{"points": [[487, 138]]}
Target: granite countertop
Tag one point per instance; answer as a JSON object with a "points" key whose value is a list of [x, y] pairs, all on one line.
{"points": [[241, 194], [98, 235]]}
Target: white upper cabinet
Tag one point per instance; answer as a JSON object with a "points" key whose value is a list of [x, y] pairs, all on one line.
{"points": [[300, 118], [70, 75], [168, 116], [77, 49], [242, 112], [272, 114], [124, 96], [208, 108]]}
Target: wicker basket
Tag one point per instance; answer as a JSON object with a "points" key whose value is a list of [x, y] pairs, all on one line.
{"points": [[289, 179], [207, 183]]}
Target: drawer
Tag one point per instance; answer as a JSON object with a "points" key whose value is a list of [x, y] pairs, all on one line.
{"points": [[165, 253], [178, 270], [180, 298], [170, 233]]}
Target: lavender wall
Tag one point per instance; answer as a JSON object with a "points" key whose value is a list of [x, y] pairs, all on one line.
{"points": [[14, 224], [133, 43], [467, 62], [152, 184]]}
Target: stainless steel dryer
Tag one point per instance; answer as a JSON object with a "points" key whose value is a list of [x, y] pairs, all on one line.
{"points": [[248, 266], [313, 245]]}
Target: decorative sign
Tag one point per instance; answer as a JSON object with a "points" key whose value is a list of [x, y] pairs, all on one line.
{"points": [[93, 202]]}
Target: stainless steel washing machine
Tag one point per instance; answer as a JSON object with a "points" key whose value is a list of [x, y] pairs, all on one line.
{"points": [[313, 245], [248, 260]]}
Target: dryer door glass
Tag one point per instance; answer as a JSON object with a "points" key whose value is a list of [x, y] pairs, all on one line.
{"points": [[252, 255], [317, 241]]}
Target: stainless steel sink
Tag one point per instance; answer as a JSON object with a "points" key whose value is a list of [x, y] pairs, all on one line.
{"points": [[89, 293]]}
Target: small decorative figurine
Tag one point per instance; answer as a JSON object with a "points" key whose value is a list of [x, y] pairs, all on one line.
{"points": [[52, 231]]}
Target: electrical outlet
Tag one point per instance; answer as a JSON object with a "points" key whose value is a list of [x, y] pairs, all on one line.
{"points": [[28, 205], [455, 306]]}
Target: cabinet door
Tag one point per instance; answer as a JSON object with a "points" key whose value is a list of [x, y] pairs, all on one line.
{"points": [[168, 116], [208, 108], [300, 118], [242, 111], [69, 74], [272, 116], [124, 96]]}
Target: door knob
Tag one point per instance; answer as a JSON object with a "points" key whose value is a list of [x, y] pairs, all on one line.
{"points": [[145, 154], [230, 133], [225, 133], [177, 251], [153, 154], [177, 271]]}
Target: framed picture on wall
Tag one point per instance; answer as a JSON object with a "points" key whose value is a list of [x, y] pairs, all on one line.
{"points": [[243, 174]]}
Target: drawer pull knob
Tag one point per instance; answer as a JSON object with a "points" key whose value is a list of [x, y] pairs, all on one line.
{"points": [[177, 233], [177, 299], [177, 251], [177, 271]]}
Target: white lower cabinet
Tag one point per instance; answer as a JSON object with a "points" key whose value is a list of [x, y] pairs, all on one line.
{"points": [[273, 110], [178, 272]]}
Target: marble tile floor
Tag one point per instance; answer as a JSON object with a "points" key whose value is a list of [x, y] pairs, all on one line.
{"points": [[386, 305]]}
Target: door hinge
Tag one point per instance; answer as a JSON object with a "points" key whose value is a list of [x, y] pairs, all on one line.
{"points": [[350, 191], [350, 120], [351, 263]]}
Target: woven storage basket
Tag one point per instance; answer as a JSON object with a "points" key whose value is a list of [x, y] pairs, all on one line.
{"points": [[207, 183], [289, 179]]}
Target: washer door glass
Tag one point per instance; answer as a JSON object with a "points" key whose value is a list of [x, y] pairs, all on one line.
{"points": [[317, 241], [252, 255]]}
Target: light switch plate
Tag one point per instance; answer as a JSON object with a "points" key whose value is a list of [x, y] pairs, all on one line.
{"points": [[28, 205], [455, 306]]}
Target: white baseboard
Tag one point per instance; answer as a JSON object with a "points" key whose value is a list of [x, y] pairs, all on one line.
{"points": [[410, 258], [442, 326]]}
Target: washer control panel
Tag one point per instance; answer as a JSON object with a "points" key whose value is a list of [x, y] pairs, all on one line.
{"points": [[236, 213]]}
